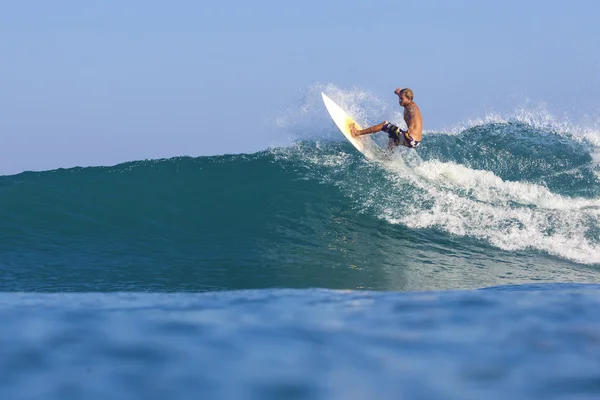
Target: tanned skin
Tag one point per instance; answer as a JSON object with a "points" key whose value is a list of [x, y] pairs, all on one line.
{"points": [[412, 117]]}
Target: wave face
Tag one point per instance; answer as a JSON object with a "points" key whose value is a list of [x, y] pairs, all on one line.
{"points": [[497, 203]]}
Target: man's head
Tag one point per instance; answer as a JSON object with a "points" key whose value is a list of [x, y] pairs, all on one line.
{"points": [[405, 96]]}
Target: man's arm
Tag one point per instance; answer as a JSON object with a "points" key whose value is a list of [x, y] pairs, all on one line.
{"points": [[375, 128], [412, 128]]}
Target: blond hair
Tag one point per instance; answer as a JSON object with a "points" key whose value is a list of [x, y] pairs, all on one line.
{"points": [[408, 93]]}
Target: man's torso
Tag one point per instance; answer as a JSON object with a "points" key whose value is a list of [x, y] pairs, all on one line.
{"points": [[414, 120]]}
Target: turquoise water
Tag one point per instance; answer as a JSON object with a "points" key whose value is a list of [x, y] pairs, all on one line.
{"points": [[469, 267]]}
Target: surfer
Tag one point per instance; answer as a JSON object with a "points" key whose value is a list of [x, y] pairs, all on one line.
{"points": [[412, 116]]}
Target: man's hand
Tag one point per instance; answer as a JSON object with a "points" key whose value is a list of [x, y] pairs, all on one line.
{"points": [[353, 130]]}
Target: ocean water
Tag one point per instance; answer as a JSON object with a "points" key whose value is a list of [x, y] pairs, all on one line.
{"points": [[468, 268]]}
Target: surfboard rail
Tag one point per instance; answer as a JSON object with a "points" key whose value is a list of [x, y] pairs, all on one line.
{"points": [[364, 144]]}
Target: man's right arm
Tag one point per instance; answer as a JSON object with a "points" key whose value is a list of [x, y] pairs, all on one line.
{"points": [[367, 131]]}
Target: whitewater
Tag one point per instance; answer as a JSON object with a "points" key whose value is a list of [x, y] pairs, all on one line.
{"points": [[467, 268]]}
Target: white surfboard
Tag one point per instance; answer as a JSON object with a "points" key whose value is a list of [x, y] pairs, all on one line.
{"points": [[364, 144]]}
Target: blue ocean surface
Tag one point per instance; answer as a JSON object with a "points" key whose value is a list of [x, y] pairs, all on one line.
{"points": [[468, 268], [523, 342]]}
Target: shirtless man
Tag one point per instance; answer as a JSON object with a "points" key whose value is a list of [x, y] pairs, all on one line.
{"points": [[412, 116]]}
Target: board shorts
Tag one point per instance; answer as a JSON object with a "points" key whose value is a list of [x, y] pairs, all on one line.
{"points": [[399, 136]]}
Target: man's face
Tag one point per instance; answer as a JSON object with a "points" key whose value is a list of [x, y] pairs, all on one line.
{"points": [[403, 100]]}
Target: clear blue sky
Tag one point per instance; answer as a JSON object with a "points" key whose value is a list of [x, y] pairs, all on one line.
{"points": [[100, 82]]}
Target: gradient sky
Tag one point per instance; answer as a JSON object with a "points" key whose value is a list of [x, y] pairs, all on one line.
{"points": [[101, 82]]}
